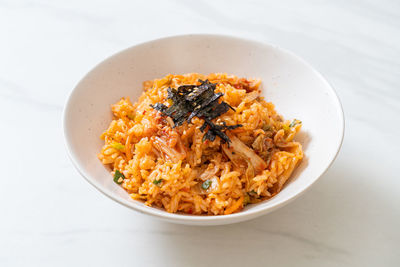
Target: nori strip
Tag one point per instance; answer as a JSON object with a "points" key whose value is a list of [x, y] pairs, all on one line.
{"points": [[189, 101]]}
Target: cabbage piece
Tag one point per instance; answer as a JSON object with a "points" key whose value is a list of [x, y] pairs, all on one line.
{"points": [[237, 149]]}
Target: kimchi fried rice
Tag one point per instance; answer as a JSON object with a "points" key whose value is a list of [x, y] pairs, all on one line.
{"points": [[189, 167]]}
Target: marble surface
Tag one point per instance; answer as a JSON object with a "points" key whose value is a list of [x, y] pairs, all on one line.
{"points": [[50, 216]]}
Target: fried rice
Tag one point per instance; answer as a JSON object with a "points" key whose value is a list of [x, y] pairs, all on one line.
{"points": [[175, 169]]}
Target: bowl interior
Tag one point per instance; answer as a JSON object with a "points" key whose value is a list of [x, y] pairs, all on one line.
{"points": [[296, 89]]}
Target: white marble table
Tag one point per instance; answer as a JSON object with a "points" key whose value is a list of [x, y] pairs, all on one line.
{"points": [[50, 216]]}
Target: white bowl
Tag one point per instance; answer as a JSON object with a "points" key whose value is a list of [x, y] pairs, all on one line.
{"points": [[296, 89]]}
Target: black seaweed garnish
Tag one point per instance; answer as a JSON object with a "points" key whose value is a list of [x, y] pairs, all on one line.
{"points": [[189, 101]]}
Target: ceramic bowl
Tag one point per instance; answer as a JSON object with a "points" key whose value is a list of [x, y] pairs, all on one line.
{"points": [[296, 89]]}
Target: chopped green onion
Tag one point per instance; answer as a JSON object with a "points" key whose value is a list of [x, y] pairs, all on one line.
{"points": [[246, 200], [118, 177], [294, 123], [117, 145], [267, 127], [206, 184], [157, 182]]}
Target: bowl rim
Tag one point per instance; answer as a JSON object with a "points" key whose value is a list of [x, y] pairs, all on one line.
{"points": [[198, 219]]}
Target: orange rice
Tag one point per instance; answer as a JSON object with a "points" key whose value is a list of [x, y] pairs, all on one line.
{"points": [[165, 167]]}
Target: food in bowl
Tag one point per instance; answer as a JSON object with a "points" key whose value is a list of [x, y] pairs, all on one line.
{"points": [[200, 144]]}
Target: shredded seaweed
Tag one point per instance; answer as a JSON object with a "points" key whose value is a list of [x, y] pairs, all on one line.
{"points": [[189, 101]]}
